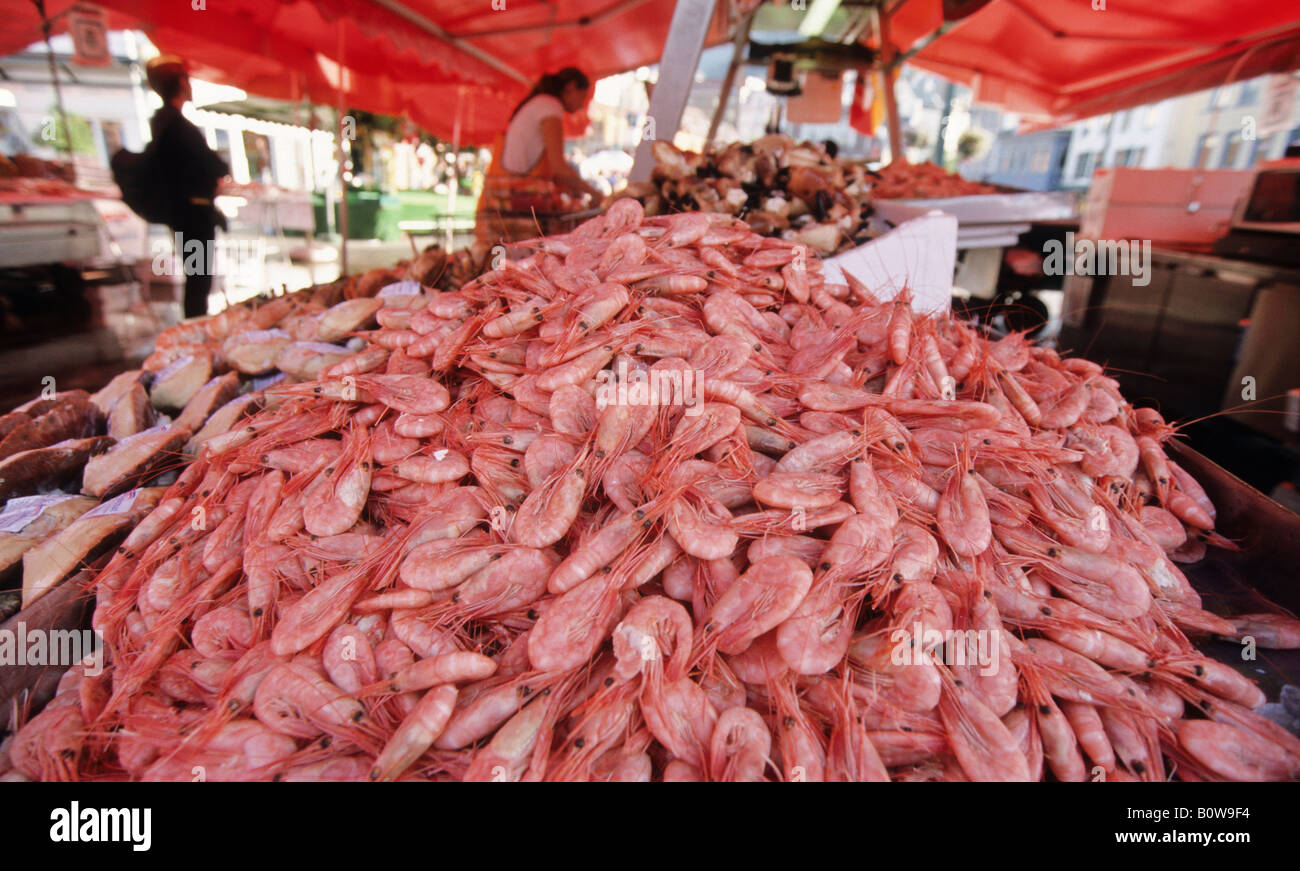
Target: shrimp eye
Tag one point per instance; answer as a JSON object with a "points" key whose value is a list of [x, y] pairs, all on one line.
{"points": [[1044, 710], [1200, 671], [1047, 612], [609, 681], [525, 690], [789, 722], [1139, 767], [988, 441], [825, 567], [514, 463]]}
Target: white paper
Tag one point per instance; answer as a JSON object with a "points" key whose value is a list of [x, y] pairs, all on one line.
{"points": [[920, 254]]}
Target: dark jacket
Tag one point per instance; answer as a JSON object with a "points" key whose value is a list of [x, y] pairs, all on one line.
{"points": [[190, 168]]}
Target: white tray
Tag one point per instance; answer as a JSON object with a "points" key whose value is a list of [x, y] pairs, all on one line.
{"points": [[986, 208]]}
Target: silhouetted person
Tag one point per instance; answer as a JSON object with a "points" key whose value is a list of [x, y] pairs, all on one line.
{"points": [[190, 171]]}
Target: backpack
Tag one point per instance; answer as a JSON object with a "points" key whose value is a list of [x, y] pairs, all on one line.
{"points": [[143, 188], [146, 189]]}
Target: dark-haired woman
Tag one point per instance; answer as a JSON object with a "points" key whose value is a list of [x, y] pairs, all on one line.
{"points": [[529, 173]]}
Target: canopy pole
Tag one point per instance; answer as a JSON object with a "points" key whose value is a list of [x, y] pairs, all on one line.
{"points": [[454, 188], [889, 64], [944, 119], [343, 163], [54, 78], [729, 81], [681, 57]]}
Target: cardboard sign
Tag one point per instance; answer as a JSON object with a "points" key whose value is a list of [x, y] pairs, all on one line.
{"points": [[820, 101], [920, 255], [89, 28]]}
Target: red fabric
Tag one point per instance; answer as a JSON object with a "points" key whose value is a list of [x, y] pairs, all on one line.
{"points": [[286, 48], [1062, 61], [860, 109]]}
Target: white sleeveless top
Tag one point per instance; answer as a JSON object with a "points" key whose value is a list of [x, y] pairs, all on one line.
{"points": [[524, 144]]}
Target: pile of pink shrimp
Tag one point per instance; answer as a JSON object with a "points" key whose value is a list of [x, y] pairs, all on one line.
{"points": [[856, 544]]}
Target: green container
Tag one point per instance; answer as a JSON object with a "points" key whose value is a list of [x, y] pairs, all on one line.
{"points": [[430, 206], [371, 215]]}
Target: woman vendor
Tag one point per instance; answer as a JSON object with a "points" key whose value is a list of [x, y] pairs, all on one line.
{"points": [[529, 175]]}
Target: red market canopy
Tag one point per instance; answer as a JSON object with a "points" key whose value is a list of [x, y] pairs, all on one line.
{"points": [[1060, 61], [457, 71]]}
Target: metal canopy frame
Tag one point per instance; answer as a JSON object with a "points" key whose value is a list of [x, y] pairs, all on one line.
{"points": [[681, 57], [473, 51]]}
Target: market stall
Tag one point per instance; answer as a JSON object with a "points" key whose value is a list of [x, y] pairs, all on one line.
{"points": [[666, 496]]}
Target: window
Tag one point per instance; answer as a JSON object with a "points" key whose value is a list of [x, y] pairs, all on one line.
{"points": [[112, 131], [1250, 92], [1040, 160], [1135, 158], [1204, 145], [1083, 165], [1230, 149], [222, 146], [1219, 97], [257, 151], [1258, 150]]}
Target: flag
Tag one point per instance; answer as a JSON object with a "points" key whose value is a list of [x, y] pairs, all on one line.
{"points": [[868, 108]]}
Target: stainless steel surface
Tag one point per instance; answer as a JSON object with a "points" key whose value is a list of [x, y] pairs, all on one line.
{"points": [[47, 231], [1261, 577]]}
